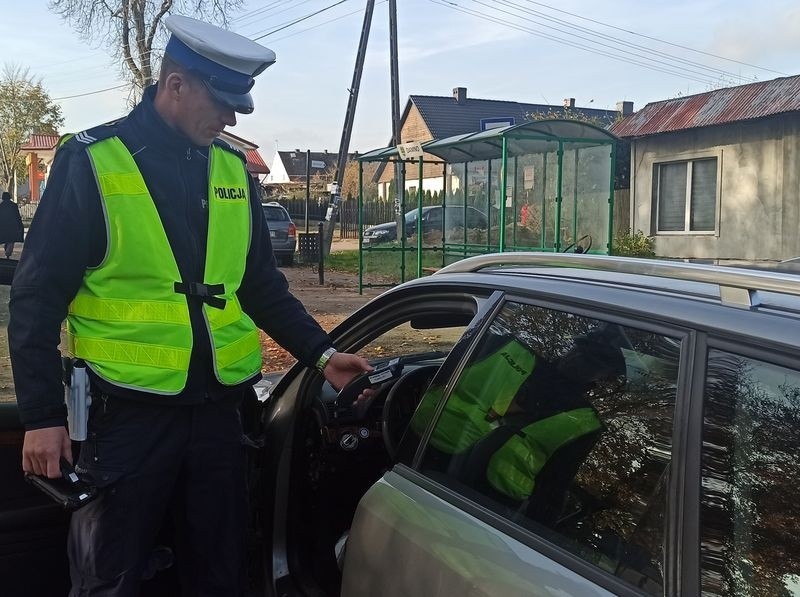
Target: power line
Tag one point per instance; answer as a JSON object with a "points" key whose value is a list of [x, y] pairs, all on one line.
{"points": [[265, 8], [359, 11], [300, 20], [663, 41], [66, 97], [252, 19], [269, 33], [454, 6], [612, 39]]}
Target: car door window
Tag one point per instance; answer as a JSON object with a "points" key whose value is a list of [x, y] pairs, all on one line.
{"points": [[563, 424], [750, 492], [475, 219], [433, 219]]}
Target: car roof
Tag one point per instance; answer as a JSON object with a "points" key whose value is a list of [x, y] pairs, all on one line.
{"points": [[762, 305], [735, 286]]}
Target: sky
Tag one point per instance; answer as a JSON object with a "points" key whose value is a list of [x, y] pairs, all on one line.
{"points": [[497, 49]]}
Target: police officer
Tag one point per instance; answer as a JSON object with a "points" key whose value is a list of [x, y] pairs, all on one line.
{"points": [[150, 241]]}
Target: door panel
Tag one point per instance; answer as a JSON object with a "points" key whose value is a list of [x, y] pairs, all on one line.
{"points": [[33, 529], [438, 549]]}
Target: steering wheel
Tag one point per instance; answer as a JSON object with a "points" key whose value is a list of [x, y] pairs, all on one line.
{"points": [[578, 247], [401, 402]]}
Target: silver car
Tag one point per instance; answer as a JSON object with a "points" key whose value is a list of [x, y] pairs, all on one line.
{"points": [[544, 424], [282, 232]]}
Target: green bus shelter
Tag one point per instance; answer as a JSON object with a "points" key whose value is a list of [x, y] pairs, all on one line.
{"points": [[545, 185]]}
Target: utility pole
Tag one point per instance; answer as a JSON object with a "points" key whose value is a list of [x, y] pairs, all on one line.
{"points": [[344, 145], [399, 174]]}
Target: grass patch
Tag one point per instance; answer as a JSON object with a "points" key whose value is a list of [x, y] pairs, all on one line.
{"points": [[382, 264]]}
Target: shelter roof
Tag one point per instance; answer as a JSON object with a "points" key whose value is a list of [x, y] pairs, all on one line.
{"points": [[536, 136]]}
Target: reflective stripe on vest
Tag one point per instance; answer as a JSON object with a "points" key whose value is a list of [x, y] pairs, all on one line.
{"points": [[127, 321], [490, 383], [513, 468]]}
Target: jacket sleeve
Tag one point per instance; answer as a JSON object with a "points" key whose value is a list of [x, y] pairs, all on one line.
{"points": [[67, 235], [265, 297]]}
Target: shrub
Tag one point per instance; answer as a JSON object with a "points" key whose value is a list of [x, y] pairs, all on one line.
{"points": [[633, 245]]}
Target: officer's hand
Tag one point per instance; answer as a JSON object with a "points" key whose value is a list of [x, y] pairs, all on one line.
{"points": [[43, 449], [343, 367]]}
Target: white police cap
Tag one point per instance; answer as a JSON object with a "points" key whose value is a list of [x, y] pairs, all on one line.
{"points": [[226, 61]]}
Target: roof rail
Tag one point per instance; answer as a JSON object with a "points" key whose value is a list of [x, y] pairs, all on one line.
{"points": [[736, 286]]}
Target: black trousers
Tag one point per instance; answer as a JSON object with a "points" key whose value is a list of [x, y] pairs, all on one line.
{"points": [[151, 459]]}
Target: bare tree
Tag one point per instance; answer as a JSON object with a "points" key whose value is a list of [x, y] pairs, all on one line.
{"points": [[25, 108], [132, 30]]}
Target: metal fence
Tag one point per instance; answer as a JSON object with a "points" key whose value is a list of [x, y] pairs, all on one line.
{"points": [[375, 212], [27, 211]]}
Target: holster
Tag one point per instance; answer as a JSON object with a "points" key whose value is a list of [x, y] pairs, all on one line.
{"points": [[77, 397]]}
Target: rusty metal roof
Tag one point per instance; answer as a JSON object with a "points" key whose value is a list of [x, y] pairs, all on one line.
{"points": [[721, 106]]}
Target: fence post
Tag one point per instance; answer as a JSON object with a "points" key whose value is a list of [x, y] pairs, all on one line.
{"points": [[321, 266]]}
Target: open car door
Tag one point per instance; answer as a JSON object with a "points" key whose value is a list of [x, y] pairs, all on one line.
{"points": [[33, 529]]}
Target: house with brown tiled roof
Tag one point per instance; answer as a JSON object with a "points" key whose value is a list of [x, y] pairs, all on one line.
{"points": [[717, 175]]}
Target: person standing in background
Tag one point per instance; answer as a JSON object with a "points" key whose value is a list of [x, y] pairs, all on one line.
{"points": [[11, 229]]}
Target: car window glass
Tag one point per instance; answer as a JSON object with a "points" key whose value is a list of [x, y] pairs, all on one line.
{"points": [[475, 219], [750, 492], [405, 339], [6, 380], [275, 213], [563, 425], [434, 217]]}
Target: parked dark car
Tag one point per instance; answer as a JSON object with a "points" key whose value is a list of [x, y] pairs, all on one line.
{"points": [[282, 232], [434, 218], [562, 425]]}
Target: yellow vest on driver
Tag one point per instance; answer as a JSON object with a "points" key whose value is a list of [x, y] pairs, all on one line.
{"points": [[130, 318]]}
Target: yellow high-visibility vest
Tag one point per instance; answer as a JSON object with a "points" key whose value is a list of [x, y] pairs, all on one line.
{"points": [[130, 318]]}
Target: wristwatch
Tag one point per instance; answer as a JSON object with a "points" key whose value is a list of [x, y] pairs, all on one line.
{"points": [[324, 358]]}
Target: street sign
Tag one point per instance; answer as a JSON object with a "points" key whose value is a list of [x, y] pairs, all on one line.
{"points": [[410, 151], [318, 164]]}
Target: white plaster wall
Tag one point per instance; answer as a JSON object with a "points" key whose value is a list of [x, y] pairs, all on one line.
{"points": [[757, 213]]}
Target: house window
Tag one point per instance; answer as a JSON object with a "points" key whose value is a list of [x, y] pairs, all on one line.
{"points": [[687, 196]]}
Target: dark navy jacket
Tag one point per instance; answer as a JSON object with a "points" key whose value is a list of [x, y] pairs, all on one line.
{"points": [[68, 235]]}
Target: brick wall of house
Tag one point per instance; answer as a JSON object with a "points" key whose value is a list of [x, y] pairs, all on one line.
{"points": [[414, 129]]}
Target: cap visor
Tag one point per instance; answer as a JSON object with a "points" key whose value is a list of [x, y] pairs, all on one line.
{"points": [[242, 103]]}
